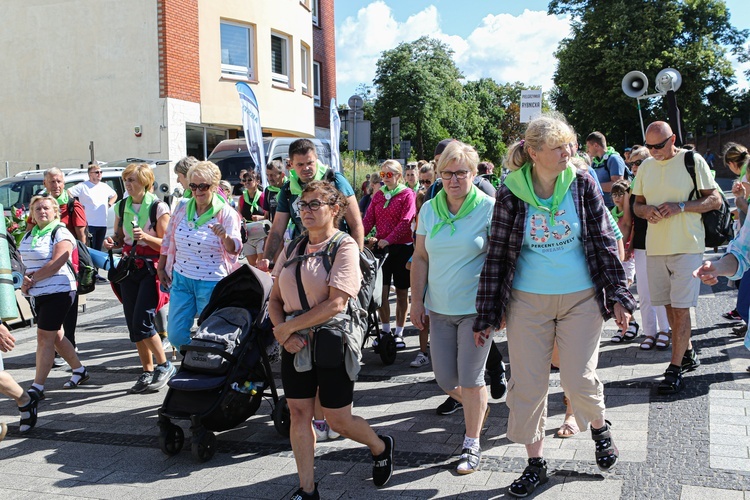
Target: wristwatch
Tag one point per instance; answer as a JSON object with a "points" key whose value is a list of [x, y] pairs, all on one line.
{"points": [[682, 206]]}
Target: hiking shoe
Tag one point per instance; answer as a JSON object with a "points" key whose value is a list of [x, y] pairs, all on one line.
{"points": [[321, 431], [382, 468], [498, 382], [142, 383], [690, 361], [420, 361], [58, 361], [449, 406], [301, 495], [162, 374], [672, 383]]}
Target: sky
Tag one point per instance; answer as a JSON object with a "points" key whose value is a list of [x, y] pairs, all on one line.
{"points": [[507, 40]]}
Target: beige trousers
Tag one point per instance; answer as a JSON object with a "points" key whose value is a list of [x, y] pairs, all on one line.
{"points": [[534, 322]]}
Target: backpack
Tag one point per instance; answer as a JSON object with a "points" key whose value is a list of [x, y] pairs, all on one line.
{"points": [[82, 266], [211, 349], [16, 262], [492, 179], [716, 223]]}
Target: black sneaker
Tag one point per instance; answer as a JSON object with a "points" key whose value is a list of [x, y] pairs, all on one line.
{"points": [[162, 374], [498, 382], [301, 495], [449, 406], [672, 383], [690, 361], [382, 469], [142, 383]]}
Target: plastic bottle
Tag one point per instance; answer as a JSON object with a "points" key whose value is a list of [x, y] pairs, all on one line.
{"points": [[248, 387]]}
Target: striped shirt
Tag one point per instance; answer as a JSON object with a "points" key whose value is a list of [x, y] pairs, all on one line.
{"points": [[35, 258]]}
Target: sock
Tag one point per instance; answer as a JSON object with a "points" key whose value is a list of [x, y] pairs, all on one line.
{"points": [[38, 386], [399, 331], [386, 327], [320, 424], [78, 374], [80, 371], [471, 443]]}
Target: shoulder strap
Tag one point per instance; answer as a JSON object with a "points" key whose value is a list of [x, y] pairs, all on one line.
{"points": [[75, 247], [121, 211], [333, 247], [152, 213], [690, 167], [298, 272], [330, 176]]}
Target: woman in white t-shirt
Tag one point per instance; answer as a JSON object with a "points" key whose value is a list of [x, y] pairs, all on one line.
{"points": [[50, 286]]}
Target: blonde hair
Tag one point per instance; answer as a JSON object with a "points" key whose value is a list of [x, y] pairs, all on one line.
{"points": [[457, 151], [546, 130], [142, 172], [182, 166], [206, 169], [43, 197], [638, 152], [393, 165]]}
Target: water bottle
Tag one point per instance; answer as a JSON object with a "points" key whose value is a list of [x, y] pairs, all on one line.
{"points": [[247, 387]]}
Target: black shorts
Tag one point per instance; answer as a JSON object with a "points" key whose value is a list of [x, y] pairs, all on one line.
{"points": [[336, 389], [50, 310], [395, 266]]}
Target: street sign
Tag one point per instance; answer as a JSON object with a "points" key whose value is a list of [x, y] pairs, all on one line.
{"points": [[359, 135], [405, 148], [531, 105], [356, 102]]}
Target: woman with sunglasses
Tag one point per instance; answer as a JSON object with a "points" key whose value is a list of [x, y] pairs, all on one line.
{"points": [[391, 212], [140, 292], [199, 248], [251, 210]]}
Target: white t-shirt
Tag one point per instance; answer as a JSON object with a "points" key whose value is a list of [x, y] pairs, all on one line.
{"points": [[199, 252], [35, 258], [95, 201], [161, 209]]}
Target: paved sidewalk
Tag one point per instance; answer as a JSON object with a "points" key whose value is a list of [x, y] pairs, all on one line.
{"points": [[97, 441]]}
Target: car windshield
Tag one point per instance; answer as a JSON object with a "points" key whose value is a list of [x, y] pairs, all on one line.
{"points": [[18, 193]]}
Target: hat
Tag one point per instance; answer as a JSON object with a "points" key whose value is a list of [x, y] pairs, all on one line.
{"points": [[628, 149], [441, 146]]}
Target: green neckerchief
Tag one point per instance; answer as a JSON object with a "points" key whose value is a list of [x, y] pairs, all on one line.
{"points": [[37, 234], [63, 199], [599, 162], [415, 188], [217, 203], [390, 193], [520, 184], [273, 189], [617, 213], [141, 216], [253, 204], [188, 194], [294, 184], [440, 206]]}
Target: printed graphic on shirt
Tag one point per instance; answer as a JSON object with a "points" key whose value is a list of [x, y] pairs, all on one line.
{"points": [[546, 239]]}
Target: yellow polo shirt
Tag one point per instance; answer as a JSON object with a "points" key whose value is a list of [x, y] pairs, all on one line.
{"points": [[669, 181]]}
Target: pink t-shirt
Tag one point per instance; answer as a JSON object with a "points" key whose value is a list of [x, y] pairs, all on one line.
{"points": [[345, 275], [392, 223]]}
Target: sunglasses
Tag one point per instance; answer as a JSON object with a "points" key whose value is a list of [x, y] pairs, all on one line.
{"points": [[660, 145], [98, 172], [637, 163], [248, 179], [425, 183], [312, 206], [387, 175], [199, 187]]}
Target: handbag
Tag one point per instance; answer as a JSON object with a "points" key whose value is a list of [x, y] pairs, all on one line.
{"points": [[124, 268]]}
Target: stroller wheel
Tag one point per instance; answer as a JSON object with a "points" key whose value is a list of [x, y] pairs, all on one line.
{"points": [[387, 349], [204, 446], [282, 417], [171, 440]]}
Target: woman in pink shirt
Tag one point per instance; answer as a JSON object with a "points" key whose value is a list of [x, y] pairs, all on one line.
{"points": [[391, 213]]}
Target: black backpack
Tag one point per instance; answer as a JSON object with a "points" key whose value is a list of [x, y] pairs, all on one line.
{"points": [[84, 269], [716, 223]]}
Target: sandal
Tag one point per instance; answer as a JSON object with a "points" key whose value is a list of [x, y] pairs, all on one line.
{"points": [[632, 332], [606, 451], [533, 475], [31, 408], [469, 461], [617, 337], [77, 379], [35, 393], [672, 383], [648, 343], [663, 340]]}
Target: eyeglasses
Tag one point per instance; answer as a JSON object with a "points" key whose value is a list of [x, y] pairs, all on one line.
{"points": [[199, 187], [248, 179], [637, 163], [617, 195], [425, 183], [312, 206], [660, 145], [387, 175], [460, 175], [98, 172]]}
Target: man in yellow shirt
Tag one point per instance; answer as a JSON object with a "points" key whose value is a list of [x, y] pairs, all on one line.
{"points": [[675, 240]]}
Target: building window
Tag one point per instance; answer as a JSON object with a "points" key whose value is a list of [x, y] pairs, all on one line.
{"points": [[305, 68], [280, 59], [314, 9], [316, 83], [237, 50], [201, 140]]}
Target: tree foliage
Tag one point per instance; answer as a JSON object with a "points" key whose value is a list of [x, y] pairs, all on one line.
{"points": [[612, 37]]}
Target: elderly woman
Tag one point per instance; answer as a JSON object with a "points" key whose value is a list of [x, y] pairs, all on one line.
{"points": [[199, 248], [450, 250], [552, 274], [391, 212], [140, 222], [50, 285], [327, 293], [250, 208]]}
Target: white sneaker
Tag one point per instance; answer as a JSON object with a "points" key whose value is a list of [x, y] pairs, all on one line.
{"points": [[321, 431], [420, 361], [331, 433]]}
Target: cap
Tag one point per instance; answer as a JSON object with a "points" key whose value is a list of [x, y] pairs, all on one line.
{"points": [[441, 146]]}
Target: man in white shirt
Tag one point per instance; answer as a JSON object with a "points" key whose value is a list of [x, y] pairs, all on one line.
{"points": [[96, 198]]}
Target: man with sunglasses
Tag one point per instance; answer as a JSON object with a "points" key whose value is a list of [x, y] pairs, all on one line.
{"points": [[96, 197], [675, 240], [304, 168], [606, 163]]}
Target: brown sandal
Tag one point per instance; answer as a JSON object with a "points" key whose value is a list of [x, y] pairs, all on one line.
{"points": [[648, 343], [663, 340]]}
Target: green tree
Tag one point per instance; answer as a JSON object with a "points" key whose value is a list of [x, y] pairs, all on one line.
{"points": [[612, 37]]}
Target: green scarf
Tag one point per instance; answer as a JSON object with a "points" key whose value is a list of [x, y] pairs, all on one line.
{"points": [[188, 194], [617, 213], [37, 234], [273, 189], [63, 199], [294, 184], [389, 194], [217, 203], [141, 216], [520, 184], [599, 162], [440, 206], [253, 204]]}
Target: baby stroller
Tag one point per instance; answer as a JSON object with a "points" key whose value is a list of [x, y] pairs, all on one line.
{"points": [[226, 369], [386, 347]]}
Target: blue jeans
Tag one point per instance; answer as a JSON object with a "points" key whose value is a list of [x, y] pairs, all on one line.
{"points": [[187, 297], [743, 297]]}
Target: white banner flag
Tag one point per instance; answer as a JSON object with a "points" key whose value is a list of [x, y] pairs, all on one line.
{"points": [[335, 137], [251, 126]]}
